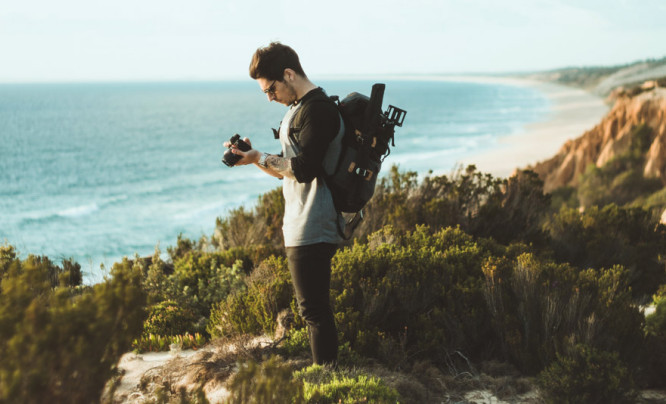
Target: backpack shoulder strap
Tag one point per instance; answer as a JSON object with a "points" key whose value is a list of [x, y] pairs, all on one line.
{"points": [[313, 97]]}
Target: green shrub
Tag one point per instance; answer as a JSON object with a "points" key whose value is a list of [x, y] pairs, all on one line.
{"points": [[655, 203], [400, 201], [198, 278], [270, 209], [615, 323], [483, 206], [183, 247], [389, 204], [538, 307], [261, 226], [269, 382], [254, 308], [169, 318], [324, 386], [565, 196], [620, 180], [608, 236], [296, 343], [69, 274], [655, 329], [202, 279], [655, 323], [417, 293], [155, 281], [587, 375], [61, 344], [516, 214], [158, 343]]}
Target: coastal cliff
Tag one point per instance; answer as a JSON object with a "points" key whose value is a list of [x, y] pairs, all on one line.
{"points": [[612, 137]]}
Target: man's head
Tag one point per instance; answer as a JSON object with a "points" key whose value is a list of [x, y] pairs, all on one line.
{"points": [[270, 62], [278, 71]]}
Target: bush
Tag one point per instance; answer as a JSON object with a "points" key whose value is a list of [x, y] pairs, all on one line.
{"points": [[202, 279], [158, 343], [183, 247], [608, 236], [296, 343], [483, 206], [655, 203], [417, 293], [565, 196], [195, 282], [655, 323], [438, 202], [253, 309], [69, 274], [323, 386], [261, 226], [61, 344], [587, 375], [655, 329], [539, 307], [169, 318], [517, 213], [620, 180], [268, 382]]}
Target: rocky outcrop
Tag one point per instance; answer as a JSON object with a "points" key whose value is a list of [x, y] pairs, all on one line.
{"points": [[610, 138]]}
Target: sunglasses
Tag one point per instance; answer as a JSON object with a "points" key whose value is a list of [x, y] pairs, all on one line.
{"points": [[271, 90]]}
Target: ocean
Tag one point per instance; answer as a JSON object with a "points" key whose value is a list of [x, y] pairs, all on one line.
{"points": [[98, 171]]}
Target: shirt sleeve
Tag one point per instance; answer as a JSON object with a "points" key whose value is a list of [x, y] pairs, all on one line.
{"points": [[320, 125]]}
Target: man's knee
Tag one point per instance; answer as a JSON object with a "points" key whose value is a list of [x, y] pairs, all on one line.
{"points": [[314, 312]]}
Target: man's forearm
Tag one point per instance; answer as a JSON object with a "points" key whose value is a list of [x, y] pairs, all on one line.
{"points": [[280, 165]]}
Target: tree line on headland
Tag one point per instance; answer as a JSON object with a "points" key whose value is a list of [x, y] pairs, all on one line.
{"points": [[452, 283]]}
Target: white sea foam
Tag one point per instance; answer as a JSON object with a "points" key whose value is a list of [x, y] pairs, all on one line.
{"points": [[78, 211]]}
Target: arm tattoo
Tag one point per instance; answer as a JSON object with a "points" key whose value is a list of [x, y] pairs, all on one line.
{"points": [[280, 165]]}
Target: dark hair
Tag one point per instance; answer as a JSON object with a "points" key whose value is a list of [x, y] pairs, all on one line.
{"points": [[269, 62]]}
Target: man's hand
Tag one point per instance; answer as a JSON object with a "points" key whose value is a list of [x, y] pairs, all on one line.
{"points": [[227, 144], [249, 157], [275, 165]]}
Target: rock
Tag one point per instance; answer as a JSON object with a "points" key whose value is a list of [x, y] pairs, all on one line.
{"points": [[611, 137], [648, 85], [285, 322]]}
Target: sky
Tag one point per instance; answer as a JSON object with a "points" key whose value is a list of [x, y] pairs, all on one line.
{"points": [[163, 40]]}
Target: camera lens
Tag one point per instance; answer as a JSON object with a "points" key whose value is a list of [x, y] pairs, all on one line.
{"points": [[230, 159]]}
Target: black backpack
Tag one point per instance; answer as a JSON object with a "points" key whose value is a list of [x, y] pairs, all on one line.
{"points": [[369, 134], [365, 145]]}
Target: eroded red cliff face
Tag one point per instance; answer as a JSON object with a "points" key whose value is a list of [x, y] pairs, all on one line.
{"points": [[610, 138]]}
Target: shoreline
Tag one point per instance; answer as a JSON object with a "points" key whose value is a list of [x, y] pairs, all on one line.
{"points": [[572, 112]]}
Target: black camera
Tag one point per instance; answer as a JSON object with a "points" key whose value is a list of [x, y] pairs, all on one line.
{"points": [[229, 158]]}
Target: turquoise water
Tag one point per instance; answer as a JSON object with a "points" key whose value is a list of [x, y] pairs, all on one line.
{"points": [[96, 172]]}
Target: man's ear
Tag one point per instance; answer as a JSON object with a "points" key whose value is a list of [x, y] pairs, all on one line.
{"points": [[289, 74]]}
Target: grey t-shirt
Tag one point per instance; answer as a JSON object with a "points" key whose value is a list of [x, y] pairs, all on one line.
{"points": [[310, 216]]}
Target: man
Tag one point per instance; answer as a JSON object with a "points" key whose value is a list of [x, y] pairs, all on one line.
{"points": [[310, 136]]}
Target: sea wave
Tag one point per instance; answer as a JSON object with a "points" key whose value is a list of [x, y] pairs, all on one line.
{"points": [[78, 211], [73, 212]]}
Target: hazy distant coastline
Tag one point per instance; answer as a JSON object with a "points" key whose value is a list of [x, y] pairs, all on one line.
{"points": [[572, 112]]}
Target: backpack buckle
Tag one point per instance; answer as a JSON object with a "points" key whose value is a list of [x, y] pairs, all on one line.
{"points": [[364, 172]]}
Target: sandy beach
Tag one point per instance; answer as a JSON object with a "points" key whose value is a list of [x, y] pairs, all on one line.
{"points": [[573, 111]]}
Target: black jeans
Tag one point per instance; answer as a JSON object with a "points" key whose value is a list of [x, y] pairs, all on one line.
{"points": [[310, 268]]}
